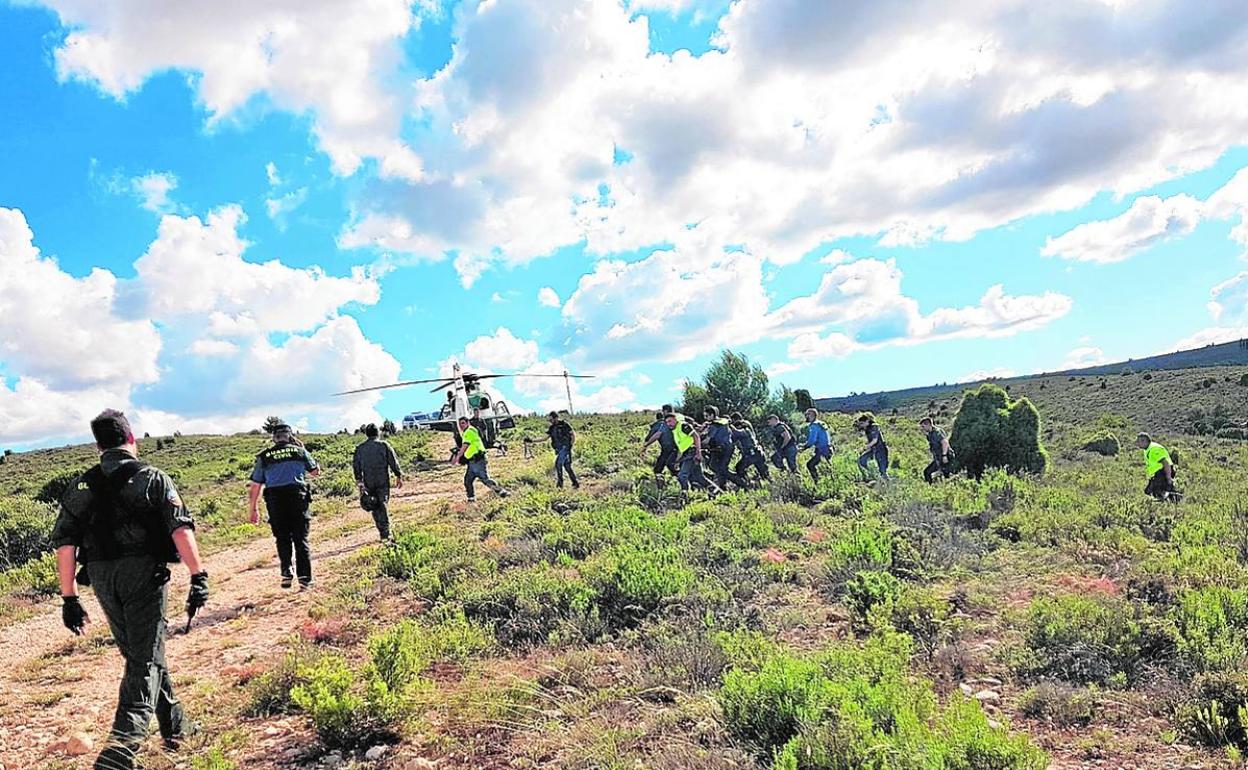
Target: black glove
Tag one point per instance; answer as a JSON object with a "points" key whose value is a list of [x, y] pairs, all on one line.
{"points": [[73, 615], [197, 597]]}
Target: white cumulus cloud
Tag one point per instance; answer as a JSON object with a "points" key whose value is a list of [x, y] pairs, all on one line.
{"points": [[1149, 221], [546, 297]]}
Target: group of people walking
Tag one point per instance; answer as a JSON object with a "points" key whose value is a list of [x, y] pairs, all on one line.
{"points": [[686, 445], [124, 522]]}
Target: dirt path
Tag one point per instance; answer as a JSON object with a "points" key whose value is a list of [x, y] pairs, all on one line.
{"points": [[55, 684]]}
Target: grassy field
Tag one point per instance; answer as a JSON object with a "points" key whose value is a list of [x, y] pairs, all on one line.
{"points": [[998, 623]]}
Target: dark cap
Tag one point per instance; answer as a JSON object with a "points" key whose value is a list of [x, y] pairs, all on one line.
{"points": [[553, 415], [111, 429]]}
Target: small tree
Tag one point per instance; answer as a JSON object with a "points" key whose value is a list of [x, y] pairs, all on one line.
{"points": [[991, 431], [271, 423], [803, 400], [733, 384]]}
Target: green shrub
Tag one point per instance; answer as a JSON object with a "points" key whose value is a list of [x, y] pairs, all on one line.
{"points": [[851, 707], [867, 544], [1243, 379], [402, 653], [1091, 639], [869, 590], [1060, 704], [270, 692], [331, 696], [1212, 622], [37, 576], [991, 431], [632, 581], [25, 531], [429, 562], [532, 605], [1214, 712], [923, 615], [1105, 444], [1238, 434]]}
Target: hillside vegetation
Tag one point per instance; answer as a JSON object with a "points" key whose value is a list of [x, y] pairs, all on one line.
{"points": [[1004, 623], [1172, 401]]}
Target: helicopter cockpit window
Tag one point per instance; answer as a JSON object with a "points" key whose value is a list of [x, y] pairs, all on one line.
{"points": [[484, 403]]}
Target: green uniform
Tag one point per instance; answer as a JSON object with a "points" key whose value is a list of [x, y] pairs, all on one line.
{"points": [[372, 464], [126, 564]]}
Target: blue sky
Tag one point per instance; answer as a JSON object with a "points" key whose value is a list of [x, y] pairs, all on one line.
{"points": [[210, 216]]}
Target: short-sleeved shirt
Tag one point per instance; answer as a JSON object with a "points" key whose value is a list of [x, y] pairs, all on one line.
{"points": [[476, 447], [778, 432], [374, 461], [936, 441], [663, 433], [1153, 457], [149, 491], [560, 434], [282, 465], [872, 432]]}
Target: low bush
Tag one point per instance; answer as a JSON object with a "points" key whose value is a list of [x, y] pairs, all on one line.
{"points": [[1105, 444], [345, 714], [1214, 711], [871, 590], [25, 531], [1212, 622], [430, 563], [1091, 639], [532, 605], [54, 488], [850, 706], [632, 581], [1060, 704], [991, 431]]}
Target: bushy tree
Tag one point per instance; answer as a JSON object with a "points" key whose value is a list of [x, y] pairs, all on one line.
{"points": [[270, 423], [991, 431], [733, 384], [802, 400]]}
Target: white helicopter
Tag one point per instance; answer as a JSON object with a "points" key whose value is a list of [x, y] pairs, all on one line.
{"points": [[466, 398]]}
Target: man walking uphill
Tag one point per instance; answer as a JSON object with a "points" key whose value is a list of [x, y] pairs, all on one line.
{"points": [[472, 453], [817, 438], [281, 471], [1159, 467], [667, 446], [562, 437], [942, 453], [125, 520], [785, 456], [372, 464]]}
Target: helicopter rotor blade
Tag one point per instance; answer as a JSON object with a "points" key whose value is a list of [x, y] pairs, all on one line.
{"points": [[520, 374], [403, 384]]}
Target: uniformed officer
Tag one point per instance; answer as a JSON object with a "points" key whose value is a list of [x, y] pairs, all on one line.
{"points": [[125, 521], [751, 456], [689, 455], [719, 446], [1159, 468], [818, 439], [373, 462], [281, 471], [562, 438], [785, 444], [472, 454]]}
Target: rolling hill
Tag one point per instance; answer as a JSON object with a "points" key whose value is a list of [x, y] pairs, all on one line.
{"points": [[1171, 393]]}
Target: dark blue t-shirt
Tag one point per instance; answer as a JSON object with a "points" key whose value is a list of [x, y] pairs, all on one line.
{"points": [[282, 465]]}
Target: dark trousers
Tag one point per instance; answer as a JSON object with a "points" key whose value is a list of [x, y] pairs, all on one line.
{"points": [[812, 464], [691, 474], [291, 522], [880, 454], [381, 512], [721, 468], [563, 461], [785, 458], [132, 593], [755, 461], [666, 461], [1161, 487], [477, 470], [934, 467]]}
